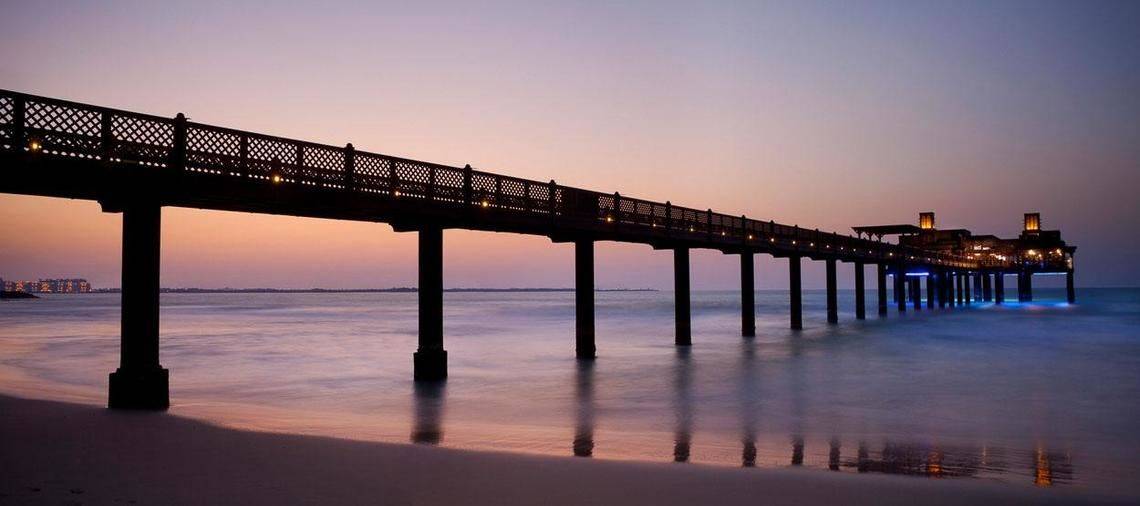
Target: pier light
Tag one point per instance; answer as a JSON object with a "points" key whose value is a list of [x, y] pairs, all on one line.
{"points": [[484, 203], [926, 221], [722, 233], [1032, 222], [1032, 252], [749, 237], [691, 229], [609, 219], [771, 239], [812, 245], [793, 241], [35, 145], [396, 193]]}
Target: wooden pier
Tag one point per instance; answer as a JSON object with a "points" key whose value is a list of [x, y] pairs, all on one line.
{"points": [[135, 164]]}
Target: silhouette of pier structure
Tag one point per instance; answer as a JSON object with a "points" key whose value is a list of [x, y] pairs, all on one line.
{"points": [[135, 164]]}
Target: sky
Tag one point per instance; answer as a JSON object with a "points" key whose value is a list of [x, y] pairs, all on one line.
{"points": [[822, 114]]}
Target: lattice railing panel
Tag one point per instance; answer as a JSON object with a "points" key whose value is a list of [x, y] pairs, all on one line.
{"points": [[484, 190], [62, 129], [412, 178], [266, 152], [323, 166], [372, 173], [213, 151], [7, 116], [141, 140], [449, 185]]}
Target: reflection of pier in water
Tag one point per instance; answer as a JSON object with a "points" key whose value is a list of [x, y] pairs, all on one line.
{"points": [[682, 387], [584, 394], [428, 416]]}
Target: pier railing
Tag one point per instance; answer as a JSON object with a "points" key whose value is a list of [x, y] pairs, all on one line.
{"points": [[52, 127]]}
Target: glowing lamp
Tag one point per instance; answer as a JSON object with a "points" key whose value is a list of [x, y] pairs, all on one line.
{"points": [[35, 145], [1032, 222], [926, 221]]}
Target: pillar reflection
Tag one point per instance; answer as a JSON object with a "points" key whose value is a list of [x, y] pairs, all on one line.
{"points": [[748, 406], [584, 396], [429, 400], [833, 455], [797, 450], [682, 386]]}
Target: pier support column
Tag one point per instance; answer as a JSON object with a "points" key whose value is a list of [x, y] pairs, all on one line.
{"points": [[140, 382], [941, 288], [430, 360], [1029, 286], [916, 292], [794, 291], [948, 279], [832, 296], [860, 293], [978, 287], [966, 278], [683, 334], [930, 290], [959, 279], [584, 346], [747, 295], [987, 290], [999, 287], [900, 287], [1070, 290], [881, 278]]}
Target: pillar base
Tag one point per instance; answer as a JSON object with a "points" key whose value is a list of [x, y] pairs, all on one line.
{"points": [[139, 389], [429, 365], [586, 354]]}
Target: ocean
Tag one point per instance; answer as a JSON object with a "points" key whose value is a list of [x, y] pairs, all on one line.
{"points": [[1040, 394]]}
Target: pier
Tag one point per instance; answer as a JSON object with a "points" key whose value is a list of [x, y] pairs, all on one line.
{"points": [[135, 164]]}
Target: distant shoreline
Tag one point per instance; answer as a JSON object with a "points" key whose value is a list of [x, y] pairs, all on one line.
{"points": [[369, 290]]}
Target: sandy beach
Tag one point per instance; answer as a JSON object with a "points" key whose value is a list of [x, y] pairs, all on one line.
{"points": [[57, 453]]}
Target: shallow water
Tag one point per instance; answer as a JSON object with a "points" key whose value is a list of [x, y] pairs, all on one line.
{"points": [[1043, 394]]}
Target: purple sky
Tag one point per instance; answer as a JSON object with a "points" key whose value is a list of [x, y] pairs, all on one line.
{"points": [[825, 115]]}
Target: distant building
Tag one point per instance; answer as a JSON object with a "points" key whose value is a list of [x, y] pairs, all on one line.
{"points": [[73, 285]]}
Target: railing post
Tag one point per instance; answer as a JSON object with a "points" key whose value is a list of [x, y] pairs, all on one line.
{"points": [[668, 217], [178, 151], [467, 184], [349, 166], [498, 192], [617, 208], [106, 139], [431, 183], [19, 114]]}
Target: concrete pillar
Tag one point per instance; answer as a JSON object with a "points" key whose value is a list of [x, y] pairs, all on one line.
{"points": [[140, 382], [966, 282], [1029, 286], [959, 279], [860, 293], [584, 346], [683, 334], [977, 287], [939, 279], [747, 295], [999, 288], [900, 287], [916, 292], [930, 290], [987, 289], [1070, 290], [430, 360], [881, 278], [794, 290], [832, 297]]}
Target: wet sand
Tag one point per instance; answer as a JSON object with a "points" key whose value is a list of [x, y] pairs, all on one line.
{"points": [[57, 453]]}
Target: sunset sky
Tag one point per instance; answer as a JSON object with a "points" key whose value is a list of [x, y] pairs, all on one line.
{"points": [[825, 115]]}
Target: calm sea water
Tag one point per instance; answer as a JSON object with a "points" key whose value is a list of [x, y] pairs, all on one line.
{"points": [[1043, 394]]}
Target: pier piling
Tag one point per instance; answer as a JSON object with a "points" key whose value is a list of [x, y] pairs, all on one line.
{"points": [[860, 292], [140, 382], [794, 292], [584, 345], [747, 294], [683, 334], [832, 298], [430, 360]]}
